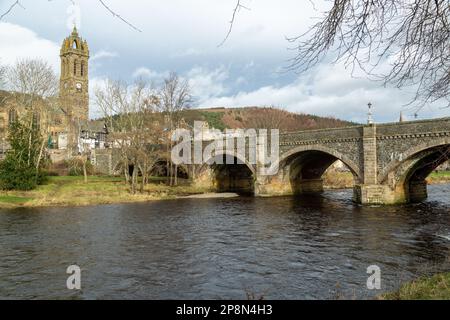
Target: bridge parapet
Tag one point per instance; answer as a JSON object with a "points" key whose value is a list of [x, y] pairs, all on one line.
{"points": [[345, 134], [408, 128], [396, 142]]}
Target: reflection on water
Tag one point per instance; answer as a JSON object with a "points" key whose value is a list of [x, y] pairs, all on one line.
{"points": [[308, 247]]}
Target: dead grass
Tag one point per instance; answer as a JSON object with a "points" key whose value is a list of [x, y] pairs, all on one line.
{"points": [[333, 179], [72, 191]]}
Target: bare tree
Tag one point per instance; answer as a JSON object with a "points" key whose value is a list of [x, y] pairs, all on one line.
{"points": [[174, 98], [130, 113], [33, 79], [2, 82], [34, 88], [2, 76], [413, 37]]}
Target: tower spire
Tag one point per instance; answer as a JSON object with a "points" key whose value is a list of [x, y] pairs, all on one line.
{"points": [[75, 30]]}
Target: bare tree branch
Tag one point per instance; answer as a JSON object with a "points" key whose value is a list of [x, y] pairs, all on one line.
{"points": [[118, 16], [102, 2], [11, 8], [236, 10], [409, 39]]}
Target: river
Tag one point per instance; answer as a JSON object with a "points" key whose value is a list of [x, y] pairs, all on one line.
{"points": [[308, 247]]}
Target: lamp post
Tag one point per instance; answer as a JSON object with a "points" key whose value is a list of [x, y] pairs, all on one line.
{"points": [[369, 114]]}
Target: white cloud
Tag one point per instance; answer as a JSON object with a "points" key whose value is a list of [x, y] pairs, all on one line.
{"points": [[102, 54], [329, 91], [18, 42], [249, 65], [187, 53], [149, 74], [206, 84]]}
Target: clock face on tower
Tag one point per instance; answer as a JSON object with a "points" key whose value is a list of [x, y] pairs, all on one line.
{"points": [[78, 86]]}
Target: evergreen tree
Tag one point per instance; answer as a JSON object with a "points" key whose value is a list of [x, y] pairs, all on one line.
{"points": [[21, 168]]}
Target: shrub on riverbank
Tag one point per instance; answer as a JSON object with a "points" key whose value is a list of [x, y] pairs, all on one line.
{"points": [[436, 287], [22, 168], [13, 176]]}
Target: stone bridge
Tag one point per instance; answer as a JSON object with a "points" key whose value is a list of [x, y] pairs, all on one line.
{"points": [[389, 162]]}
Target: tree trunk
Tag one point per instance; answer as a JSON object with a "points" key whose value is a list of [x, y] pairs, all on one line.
{"points": [[168, 172], [176, 175], [126, 172], [41, 151], [85, 170], [29, 142], [133, 180], [141, 189]]}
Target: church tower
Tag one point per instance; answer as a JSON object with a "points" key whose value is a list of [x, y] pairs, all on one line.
{"points": [[74, 82]]}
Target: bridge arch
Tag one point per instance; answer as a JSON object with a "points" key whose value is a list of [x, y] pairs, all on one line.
{"points": [[334, 155], [302, 168], [208, 161], [410, 154], [407, 175], [159, 169], [234, 174]]}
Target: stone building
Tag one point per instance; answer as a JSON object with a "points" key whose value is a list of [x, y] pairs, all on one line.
{"points": [[65, 119], [45, 113]]}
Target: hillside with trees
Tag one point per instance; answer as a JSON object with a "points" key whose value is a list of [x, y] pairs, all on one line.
{"points": [[261, 118]]}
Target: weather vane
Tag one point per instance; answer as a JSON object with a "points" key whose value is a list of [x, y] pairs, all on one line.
{"points": [[369, 114]]}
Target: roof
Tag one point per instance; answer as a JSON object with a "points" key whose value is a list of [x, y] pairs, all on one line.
{"points": [[93, 126]]}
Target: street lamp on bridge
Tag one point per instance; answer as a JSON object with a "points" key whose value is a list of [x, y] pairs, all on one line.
{"points": [[369, 114]]}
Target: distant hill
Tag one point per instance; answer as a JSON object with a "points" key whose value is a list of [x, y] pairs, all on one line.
{"points": [[261, 117]]}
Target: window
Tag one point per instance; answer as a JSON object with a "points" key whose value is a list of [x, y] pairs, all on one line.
{"points": [[82, 68], [12, 116], [74, 44], [75, 68]]}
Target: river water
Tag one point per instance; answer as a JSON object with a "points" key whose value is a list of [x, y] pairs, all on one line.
{"points": [[309, 247]]}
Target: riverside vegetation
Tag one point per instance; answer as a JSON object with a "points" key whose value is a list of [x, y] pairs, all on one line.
{"points": [[436, 287], [73, 191]]}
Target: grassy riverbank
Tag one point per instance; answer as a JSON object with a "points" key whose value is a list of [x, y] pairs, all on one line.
{"points": [[439, 177], [436, 287], [72, 191]]}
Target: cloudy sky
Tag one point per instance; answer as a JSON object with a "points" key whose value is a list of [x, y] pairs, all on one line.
{"points": [[183, 36]]}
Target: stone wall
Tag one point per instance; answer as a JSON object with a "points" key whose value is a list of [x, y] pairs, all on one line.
{"points": [[102, 159]]}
